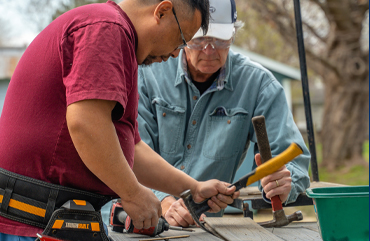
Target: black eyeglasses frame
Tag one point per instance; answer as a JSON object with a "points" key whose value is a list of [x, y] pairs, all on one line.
{"points": [[182, 35]]}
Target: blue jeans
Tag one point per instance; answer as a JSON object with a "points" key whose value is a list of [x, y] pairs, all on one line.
{"points": [[105, 213], [8, 237]]}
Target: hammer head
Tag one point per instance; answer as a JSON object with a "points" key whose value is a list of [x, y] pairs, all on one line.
{"points": [[279, 219]]}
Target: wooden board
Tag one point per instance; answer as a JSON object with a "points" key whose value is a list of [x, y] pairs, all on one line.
{"points": [[236, 229], [199, 234], [298, 231], [239, 229]]}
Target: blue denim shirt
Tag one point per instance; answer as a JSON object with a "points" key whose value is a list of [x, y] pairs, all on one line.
{"points": [[208, 136]]}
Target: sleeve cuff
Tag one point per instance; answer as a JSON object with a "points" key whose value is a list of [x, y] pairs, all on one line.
{"points": [[160, 195], [265, 198], [291, 197]]}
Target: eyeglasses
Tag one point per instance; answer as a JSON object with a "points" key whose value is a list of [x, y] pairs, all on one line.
{"points": [[182, 35], [203, 42]]}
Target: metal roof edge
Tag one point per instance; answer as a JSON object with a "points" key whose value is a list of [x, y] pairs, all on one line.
{"points": [[270, 64]]}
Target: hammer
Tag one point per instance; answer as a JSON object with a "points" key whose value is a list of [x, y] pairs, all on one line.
{"points": [[279, 218], [265, 169]]}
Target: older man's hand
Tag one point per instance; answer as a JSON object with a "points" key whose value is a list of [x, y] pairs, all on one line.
{"points": [[277, 184]]}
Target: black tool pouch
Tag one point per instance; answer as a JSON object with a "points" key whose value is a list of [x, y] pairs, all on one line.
{"points": [[32, 201], [76, 223]]}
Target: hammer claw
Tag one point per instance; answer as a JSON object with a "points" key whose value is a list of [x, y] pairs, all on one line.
{"points": [[195, 209], [280, 220], [296, 216]]}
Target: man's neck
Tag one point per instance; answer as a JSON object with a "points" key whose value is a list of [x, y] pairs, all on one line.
{"points": [[201, 77], [204, 86]]}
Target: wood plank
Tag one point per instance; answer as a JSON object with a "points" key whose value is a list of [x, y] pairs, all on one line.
{"points": [[308, 225], [236, 229], [239, 229], [298, 231], [326, 184], [199, 234]]}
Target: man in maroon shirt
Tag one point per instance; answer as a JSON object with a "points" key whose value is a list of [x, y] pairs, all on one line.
{"points": [[69, 117]]}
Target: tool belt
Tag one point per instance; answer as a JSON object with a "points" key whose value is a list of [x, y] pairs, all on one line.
{"points": [[76, 220], [32, 201]]}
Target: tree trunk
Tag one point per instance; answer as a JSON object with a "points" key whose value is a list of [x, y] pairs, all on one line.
{"points": [[337, 57], [346, 110]]}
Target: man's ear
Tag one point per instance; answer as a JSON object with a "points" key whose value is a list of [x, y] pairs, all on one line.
{"points": [[163, 9]]}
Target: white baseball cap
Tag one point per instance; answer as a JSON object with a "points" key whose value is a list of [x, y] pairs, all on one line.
{"points": [[222, 19]]}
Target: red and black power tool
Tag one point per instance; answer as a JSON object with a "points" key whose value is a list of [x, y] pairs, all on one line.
{"points": [[120, 220]]}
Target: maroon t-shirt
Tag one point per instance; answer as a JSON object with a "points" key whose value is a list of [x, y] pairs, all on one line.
{"points": [[86, 53]]}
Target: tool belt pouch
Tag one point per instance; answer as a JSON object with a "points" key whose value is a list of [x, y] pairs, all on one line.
{"points": [[32, 201], [76, 223]]}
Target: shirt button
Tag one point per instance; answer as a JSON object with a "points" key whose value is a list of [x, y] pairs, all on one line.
{"points": [[194, 122], [182, 167], [188, 146], [195, 97], [229, 121], [164, 114]]}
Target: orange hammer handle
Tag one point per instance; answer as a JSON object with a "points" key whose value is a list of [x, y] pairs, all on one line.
{"points": [[275, 163]]}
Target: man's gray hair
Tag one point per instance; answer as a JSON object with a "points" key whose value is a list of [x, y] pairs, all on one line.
{"points": [[238, 25]]}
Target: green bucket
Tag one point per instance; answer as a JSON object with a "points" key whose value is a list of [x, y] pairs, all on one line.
{"points": [[342, 212]]}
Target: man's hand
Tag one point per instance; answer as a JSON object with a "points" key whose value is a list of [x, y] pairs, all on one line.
{"points": [[220, 193], [176, 213], [143, 207], [279, 183]]}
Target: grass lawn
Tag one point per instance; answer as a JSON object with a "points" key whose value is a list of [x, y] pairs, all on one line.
{"points": [[356, 175]]}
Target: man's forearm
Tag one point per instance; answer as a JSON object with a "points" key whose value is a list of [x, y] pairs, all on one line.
{"points": [[154, 172]]}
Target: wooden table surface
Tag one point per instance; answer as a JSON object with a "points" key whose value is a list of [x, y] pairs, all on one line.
{"points": [[240, 228], [235, 229]]}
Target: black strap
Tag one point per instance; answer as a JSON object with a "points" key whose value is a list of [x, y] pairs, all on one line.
{"points": [[50, 206], [7, 194]]}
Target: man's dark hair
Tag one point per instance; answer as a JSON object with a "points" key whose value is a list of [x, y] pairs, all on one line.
{"points": [[203, 7], [186, 8]]}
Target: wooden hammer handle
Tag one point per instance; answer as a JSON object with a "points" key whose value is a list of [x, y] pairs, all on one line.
{"points": [[262, 138], [265, 151]]}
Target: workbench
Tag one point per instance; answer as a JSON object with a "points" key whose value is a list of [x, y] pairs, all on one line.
{"points": [[243, 228], [234, 229]]}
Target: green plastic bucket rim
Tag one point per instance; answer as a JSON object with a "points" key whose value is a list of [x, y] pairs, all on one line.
{"points": [[310, 192]]}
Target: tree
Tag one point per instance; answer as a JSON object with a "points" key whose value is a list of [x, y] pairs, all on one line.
{"points": [[42, 12], [261, 37], [73, 4], [334, 49], [3, 32]]}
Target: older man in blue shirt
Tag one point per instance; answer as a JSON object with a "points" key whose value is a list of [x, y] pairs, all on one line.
{"points": [[197, 113]]}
